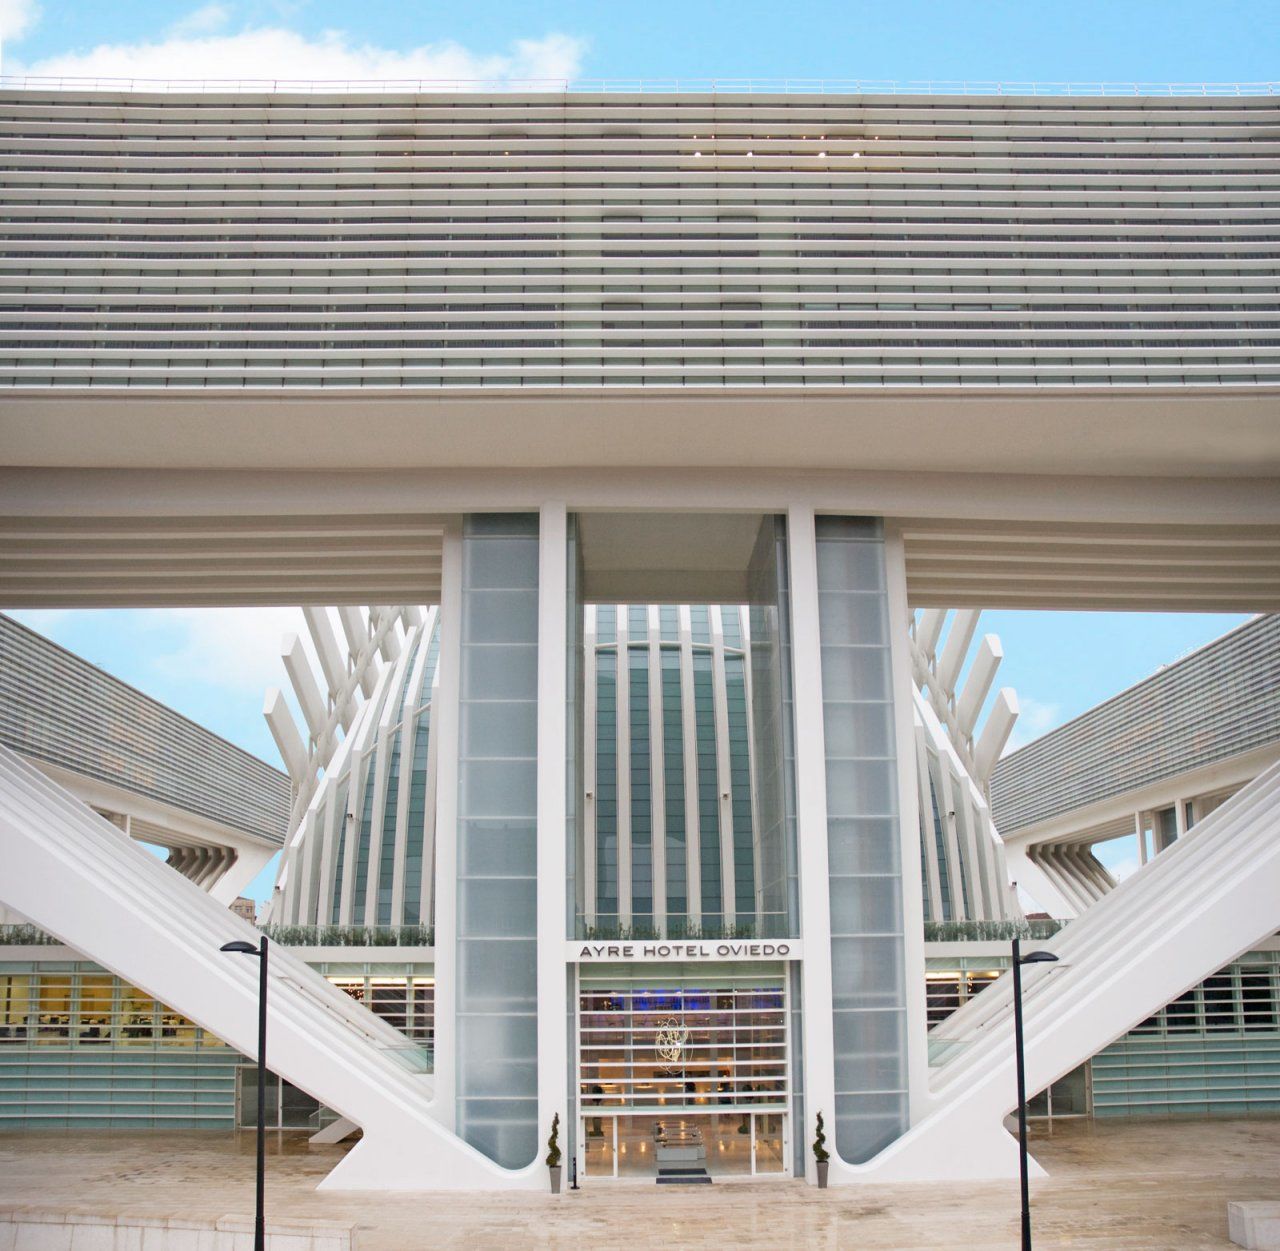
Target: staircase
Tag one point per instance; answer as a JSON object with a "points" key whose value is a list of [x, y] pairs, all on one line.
{"points": [[1197, 906], [78, 877]]}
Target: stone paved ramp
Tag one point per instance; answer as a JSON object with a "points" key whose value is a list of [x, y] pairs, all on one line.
{"points": [[1118, 1186]]}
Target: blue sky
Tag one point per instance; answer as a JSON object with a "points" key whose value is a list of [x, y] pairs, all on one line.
{"points": [[1113, 40]]}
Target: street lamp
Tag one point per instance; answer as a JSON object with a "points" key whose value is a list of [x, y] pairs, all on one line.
{"points": [[1032, 957], [259, 1220]]}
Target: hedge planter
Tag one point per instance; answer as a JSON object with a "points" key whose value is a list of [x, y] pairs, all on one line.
{"points": [[822, 1166], [555, 1178]]}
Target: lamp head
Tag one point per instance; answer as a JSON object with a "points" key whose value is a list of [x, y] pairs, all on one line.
{"points": [[240, 945], [1038, 957]]}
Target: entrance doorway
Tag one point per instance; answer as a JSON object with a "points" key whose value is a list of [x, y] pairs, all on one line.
{"points": [[683, 1070], [682, 1146]]}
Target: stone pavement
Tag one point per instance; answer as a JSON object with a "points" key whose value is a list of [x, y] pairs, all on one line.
{"points": [[1114, 1185]]}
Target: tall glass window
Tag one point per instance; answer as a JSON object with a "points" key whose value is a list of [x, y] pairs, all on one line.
{"points": [[867, 970], [497, 1000], [674, 793], [606, 795], [708, 788], [744, 848], [641, 792]]}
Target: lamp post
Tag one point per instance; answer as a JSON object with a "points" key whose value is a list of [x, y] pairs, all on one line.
{"points": [[259, 1218], [1032, 957]]}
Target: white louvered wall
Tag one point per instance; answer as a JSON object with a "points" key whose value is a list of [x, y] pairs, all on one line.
{"points": [[583, 240]]}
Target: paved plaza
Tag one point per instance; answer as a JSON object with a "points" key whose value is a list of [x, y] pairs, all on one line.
{"points": [[1156, 1185]]}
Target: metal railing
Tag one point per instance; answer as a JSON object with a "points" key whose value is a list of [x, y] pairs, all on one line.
{"points": [[645, 86]]}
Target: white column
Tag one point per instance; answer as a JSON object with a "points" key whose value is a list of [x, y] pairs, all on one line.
{"points": [[724, 771], [811, 826], [589, 687], [622, 699], [444, 729], [553, 816], [689, 730], [909, 827], [657, 772]]}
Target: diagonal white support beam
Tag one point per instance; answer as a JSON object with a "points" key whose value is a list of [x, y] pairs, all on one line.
{"points": [[954, 650], [929, 630], [304, 685], [293, 751], [332, 664], [995, 734], [982, 673]]}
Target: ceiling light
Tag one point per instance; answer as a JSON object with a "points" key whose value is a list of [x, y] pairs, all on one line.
{"points": [[822, 154]]}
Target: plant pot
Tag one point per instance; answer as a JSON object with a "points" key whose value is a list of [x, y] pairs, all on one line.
{"points": [[555, 1170], [822, 1166]]}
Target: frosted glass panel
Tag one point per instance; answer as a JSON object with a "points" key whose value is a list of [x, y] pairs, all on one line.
{"points": [[502, 906], [497, 849], [854, 672], [501, 973], [851, 564], [504, 1129], [868, 981], [498, 671], [509, 616], [497, 788], [502, 727], [859, 729], [868, 972], [497, 1061], [858, 616], [862, 846]]}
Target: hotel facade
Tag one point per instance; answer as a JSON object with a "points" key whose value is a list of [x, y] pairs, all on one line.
{"points": [[706, 424]]}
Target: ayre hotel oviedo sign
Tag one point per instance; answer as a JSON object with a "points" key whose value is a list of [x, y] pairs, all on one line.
{"points": [[648, 949]]}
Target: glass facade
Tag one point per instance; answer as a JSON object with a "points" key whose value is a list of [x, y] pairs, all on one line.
{"points": [[81, 1049], [497, 999], [683, 751], [868, 977]]}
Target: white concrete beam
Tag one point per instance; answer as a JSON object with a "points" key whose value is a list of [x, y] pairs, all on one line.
{"points": [[293, 751], [995, 734], [977, 685]]}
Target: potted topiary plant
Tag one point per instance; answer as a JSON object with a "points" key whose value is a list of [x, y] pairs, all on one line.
{"points": [[822, 1157], [553, 1154]]}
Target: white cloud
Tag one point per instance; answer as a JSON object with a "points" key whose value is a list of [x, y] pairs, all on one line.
{"points": [[201, 21], [237, 649], [274, 53], [17, 17], [1034, 719]]}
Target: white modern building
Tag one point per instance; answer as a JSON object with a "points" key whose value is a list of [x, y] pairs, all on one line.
{"points": [[692, 416]]}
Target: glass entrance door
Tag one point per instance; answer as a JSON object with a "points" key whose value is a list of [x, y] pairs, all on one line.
{"points": [[768, 1154], [724, 1144]]}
